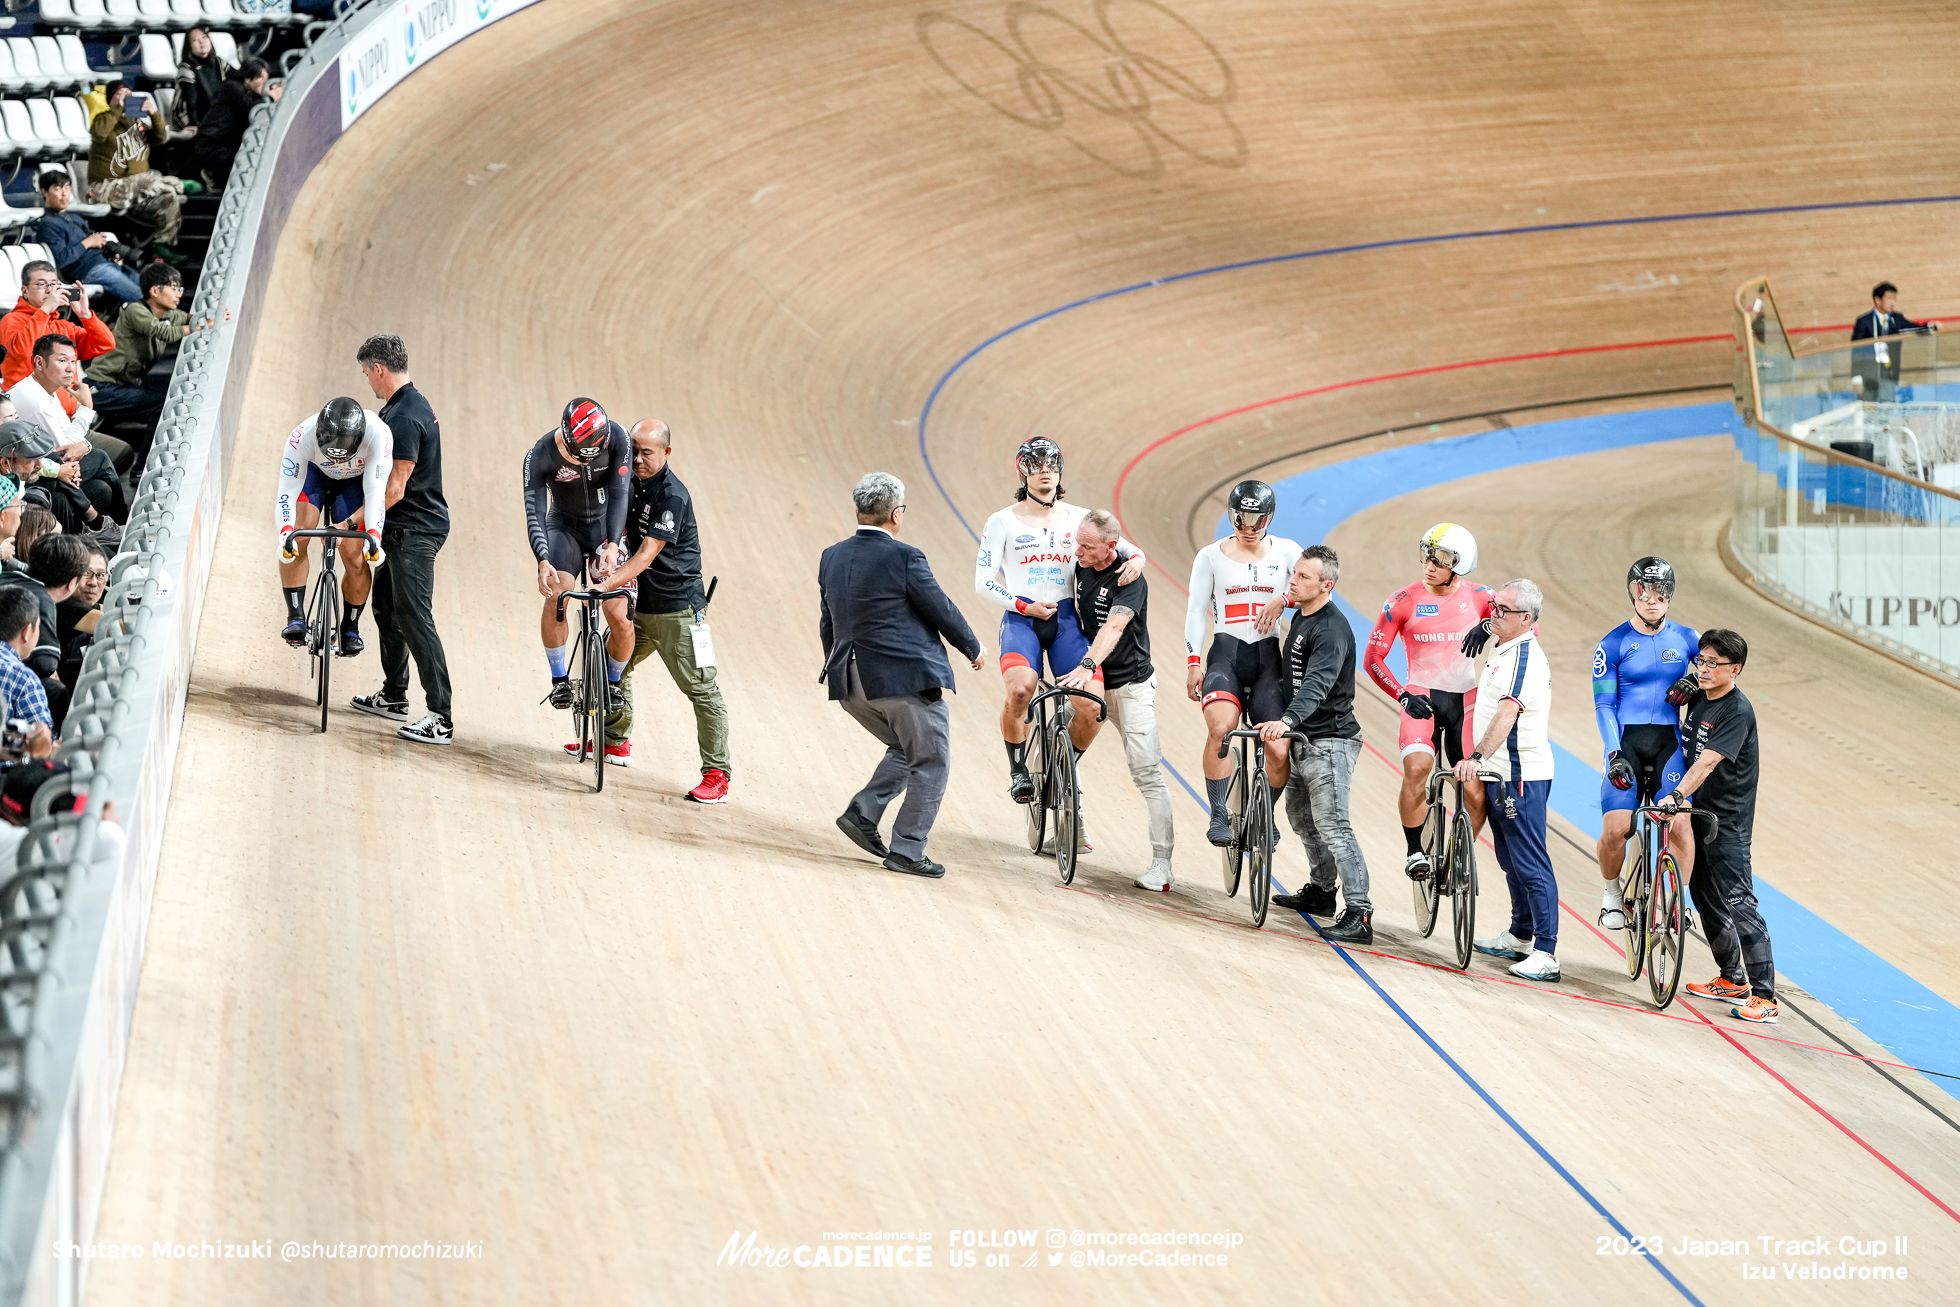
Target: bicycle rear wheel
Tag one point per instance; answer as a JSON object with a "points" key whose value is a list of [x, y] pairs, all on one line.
{"points": [[1233, 854], [1427, 891], [1635, 901], [1666, 931], [1463, 887], [1068, 799], [1036, 758], [322, 635], [596, 684], [1258, 839]]}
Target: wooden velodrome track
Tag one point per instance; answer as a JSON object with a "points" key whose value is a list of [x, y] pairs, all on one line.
{"points": [[394, 995]]}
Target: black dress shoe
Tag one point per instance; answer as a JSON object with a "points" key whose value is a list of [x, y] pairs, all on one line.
{"points": [[1312, 900], [864, 834], [1354, 927], [915, 866]]}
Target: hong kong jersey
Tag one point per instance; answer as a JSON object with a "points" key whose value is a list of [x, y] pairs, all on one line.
{"points": [[1431, 627], [371, 463], [1632, 672], [1233, 592], [1036, 563]]}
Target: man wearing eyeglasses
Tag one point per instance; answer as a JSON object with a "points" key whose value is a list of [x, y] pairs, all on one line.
{"points": [[1514, 756], [1718, 737], [42, 296]]}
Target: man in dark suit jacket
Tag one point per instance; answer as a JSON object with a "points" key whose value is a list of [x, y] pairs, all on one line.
{"points": [[883, 619], [1875, 371]]}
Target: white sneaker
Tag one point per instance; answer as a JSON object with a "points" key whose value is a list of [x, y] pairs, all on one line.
{"points": [[1502, 945], [1157, 878], [1083, 844], [429, 729], [1539, 966]]}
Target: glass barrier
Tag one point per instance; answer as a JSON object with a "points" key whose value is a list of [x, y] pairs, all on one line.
{"points": [[1848, 463]]}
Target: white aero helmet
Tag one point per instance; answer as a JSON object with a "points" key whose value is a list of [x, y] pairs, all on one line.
{"points": [[1451, 539]]}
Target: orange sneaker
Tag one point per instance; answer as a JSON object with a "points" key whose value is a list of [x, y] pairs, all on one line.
{"points": [[1720, 990], [1757, 1009], [712, 789]]}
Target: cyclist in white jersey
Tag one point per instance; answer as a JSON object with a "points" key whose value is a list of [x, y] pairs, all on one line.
{"points": [[335, 463], [1241, 582], [1026, 566]]}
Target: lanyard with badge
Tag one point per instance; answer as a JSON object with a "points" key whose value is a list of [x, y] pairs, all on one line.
{"points": [[697, 630], [1880, 351]]}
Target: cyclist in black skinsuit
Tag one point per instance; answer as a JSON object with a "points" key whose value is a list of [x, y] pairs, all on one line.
{"points": [[575, 501]]}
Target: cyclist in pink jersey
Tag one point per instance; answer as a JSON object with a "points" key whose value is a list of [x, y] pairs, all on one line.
{"points": [[1431, 618]]}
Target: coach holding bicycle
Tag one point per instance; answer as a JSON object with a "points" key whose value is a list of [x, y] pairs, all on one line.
{"points": [[883, 617]]}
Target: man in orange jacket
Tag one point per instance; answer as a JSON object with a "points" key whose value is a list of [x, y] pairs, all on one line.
{"points": [[42, 295]]}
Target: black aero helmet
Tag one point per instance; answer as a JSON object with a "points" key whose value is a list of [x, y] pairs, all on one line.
{"points": [[1036, 454], [1650, 573], [1251, 504], [585, 427], [341, 428]]}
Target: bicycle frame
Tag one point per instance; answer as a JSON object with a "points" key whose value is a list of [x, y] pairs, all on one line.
{"points": [[589, 702], [1054, 773], [323, 611], [1252, 819]]}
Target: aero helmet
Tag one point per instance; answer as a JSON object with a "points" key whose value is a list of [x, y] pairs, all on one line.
{"points": [[1457, 545], [586, 429], [1650, 573], [340, 429], [1251, 505], [1036, 454]]}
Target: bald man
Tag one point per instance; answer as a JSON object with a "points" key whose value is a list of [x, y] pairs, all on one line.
{"points": [[665, 562]]}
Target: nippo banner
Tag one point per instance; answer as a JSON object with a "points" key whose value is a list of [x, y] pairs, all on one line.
{"points": [[406, 35], [1900, 582]]}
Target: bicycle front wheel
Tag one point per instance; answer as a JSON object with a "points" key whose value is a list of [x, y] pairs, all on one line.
{"points": [[1666, 931], [323, 634], [1436, 848], [1233, 854], [1068, 799], [1463, 887], [1635, 909], [596, 685], [1258, 840], [1038, 805]]}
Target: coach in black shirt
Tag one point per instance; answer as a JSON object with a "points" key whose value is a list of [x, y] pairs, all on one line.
{"points": [[1718, 742], [416, 525], [1317, 658], [1115, 618], [664, 560]]}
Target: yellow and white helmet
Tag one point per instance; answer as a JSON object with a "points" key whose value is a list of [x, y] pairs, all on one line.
{"points": [[1450, 539]]}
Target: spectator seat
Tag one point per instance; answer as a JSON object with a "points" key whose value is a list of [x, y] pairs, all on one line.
{"points": [[27, 63], [158, 66]]}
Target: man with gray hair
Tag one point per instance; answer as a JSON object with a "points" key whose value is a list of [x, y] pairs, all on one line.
{"points": [[1514, 759], [882, 617]]}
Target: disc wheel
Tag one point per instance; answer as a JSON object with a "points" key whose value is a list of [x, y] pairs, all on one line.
{"points": [[1037, 806], [1635, 905], [1258, 838], [1232, 856], [1427, 891], [1463, 887], [1666, 931], [596, 684], [1068, 810]]}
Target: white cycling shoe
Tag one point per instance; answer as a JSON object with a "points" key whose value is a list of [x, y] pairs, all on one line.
{"points": [[1540, 966], [1158, 878]]}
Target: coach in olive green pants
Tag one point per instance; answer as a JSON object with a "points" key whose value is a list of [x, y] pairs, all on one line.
{"points": [[667, 635]]}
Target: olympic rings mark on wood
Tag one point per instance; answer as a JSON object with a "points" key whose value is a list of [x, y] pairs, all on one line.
{"points": [[1091, 84]]}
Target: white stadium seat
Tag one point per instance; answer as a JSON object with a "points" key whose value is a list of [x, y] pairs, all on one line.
{"points": [[185, 13], [10, 80], [20, 126], [78, 175], [85, 13], [59, 11], [54, 66], [16, 260], [157, 63], [220, 11], [225, 45], [156, 13], [72, 119], [123, 13], [27, 64], [75, 59], [47, 126]]}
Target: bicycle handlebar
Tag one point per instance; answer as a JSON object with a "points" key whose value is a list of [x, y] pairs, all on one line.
{"points": [[326, 533], [1102, 709], [1253, 733], [588, 596], [1714, 822]]}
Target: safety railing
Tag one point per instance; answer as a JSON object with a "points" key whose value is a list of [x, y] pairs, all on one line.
{"points": [[1846, 476]]}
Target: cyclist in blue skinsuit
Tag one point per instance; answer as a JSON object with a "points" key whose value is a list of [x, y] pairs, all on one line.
{"points": [[1639, 671]]}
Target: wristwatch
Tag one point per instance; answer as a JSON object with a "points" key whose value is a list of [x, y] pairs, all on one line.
{"points": [[1087, 664], [1477, 756]]}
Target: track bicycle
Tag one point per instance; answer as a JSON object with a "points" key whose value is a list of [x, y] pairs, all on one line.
{"points": [[1451, 847], [1656, 912], [1051, 761], [589, 679], [323, 611], [1249, 802]]}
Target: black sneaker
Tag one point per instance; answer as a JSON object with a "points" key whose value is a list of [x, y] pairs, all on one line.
{"points": [[1020, 785], [561, 694], [1311, 899], [1354, 927], [351, 642], [429, 729], [294, 633], [379, 704]]}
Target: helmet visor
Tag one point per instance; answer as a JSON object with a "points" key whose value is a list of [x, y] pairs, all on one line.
{"points": [[1032, 464], [1250, 523], [1648, 592], [1438, 555]]}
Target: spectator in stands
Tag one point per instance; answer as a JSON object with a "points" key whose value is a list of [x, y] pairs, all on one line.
{"points": [[57, 566], [199, 75], [119, 172], [222, 128], [10, 510], [35, 522], [144, 330], [78, 249], [22, 697], [92, 453], [1875, 370], [88, 592], [26, 462], [42, 296]]}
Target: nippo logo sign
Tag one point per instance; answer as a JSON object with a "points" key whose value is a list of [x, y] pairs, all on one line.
{"points": [[423, 29]]}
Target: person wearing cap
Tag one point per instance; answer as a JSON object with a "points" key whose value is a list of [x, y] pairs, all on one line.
{"points": [[76, 247], [26, 460], [42, 297], [119, 172]]}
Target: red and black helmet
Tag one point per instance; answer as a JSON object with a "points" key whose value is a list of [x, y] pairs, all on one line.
{"points": [[585, 428]]}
